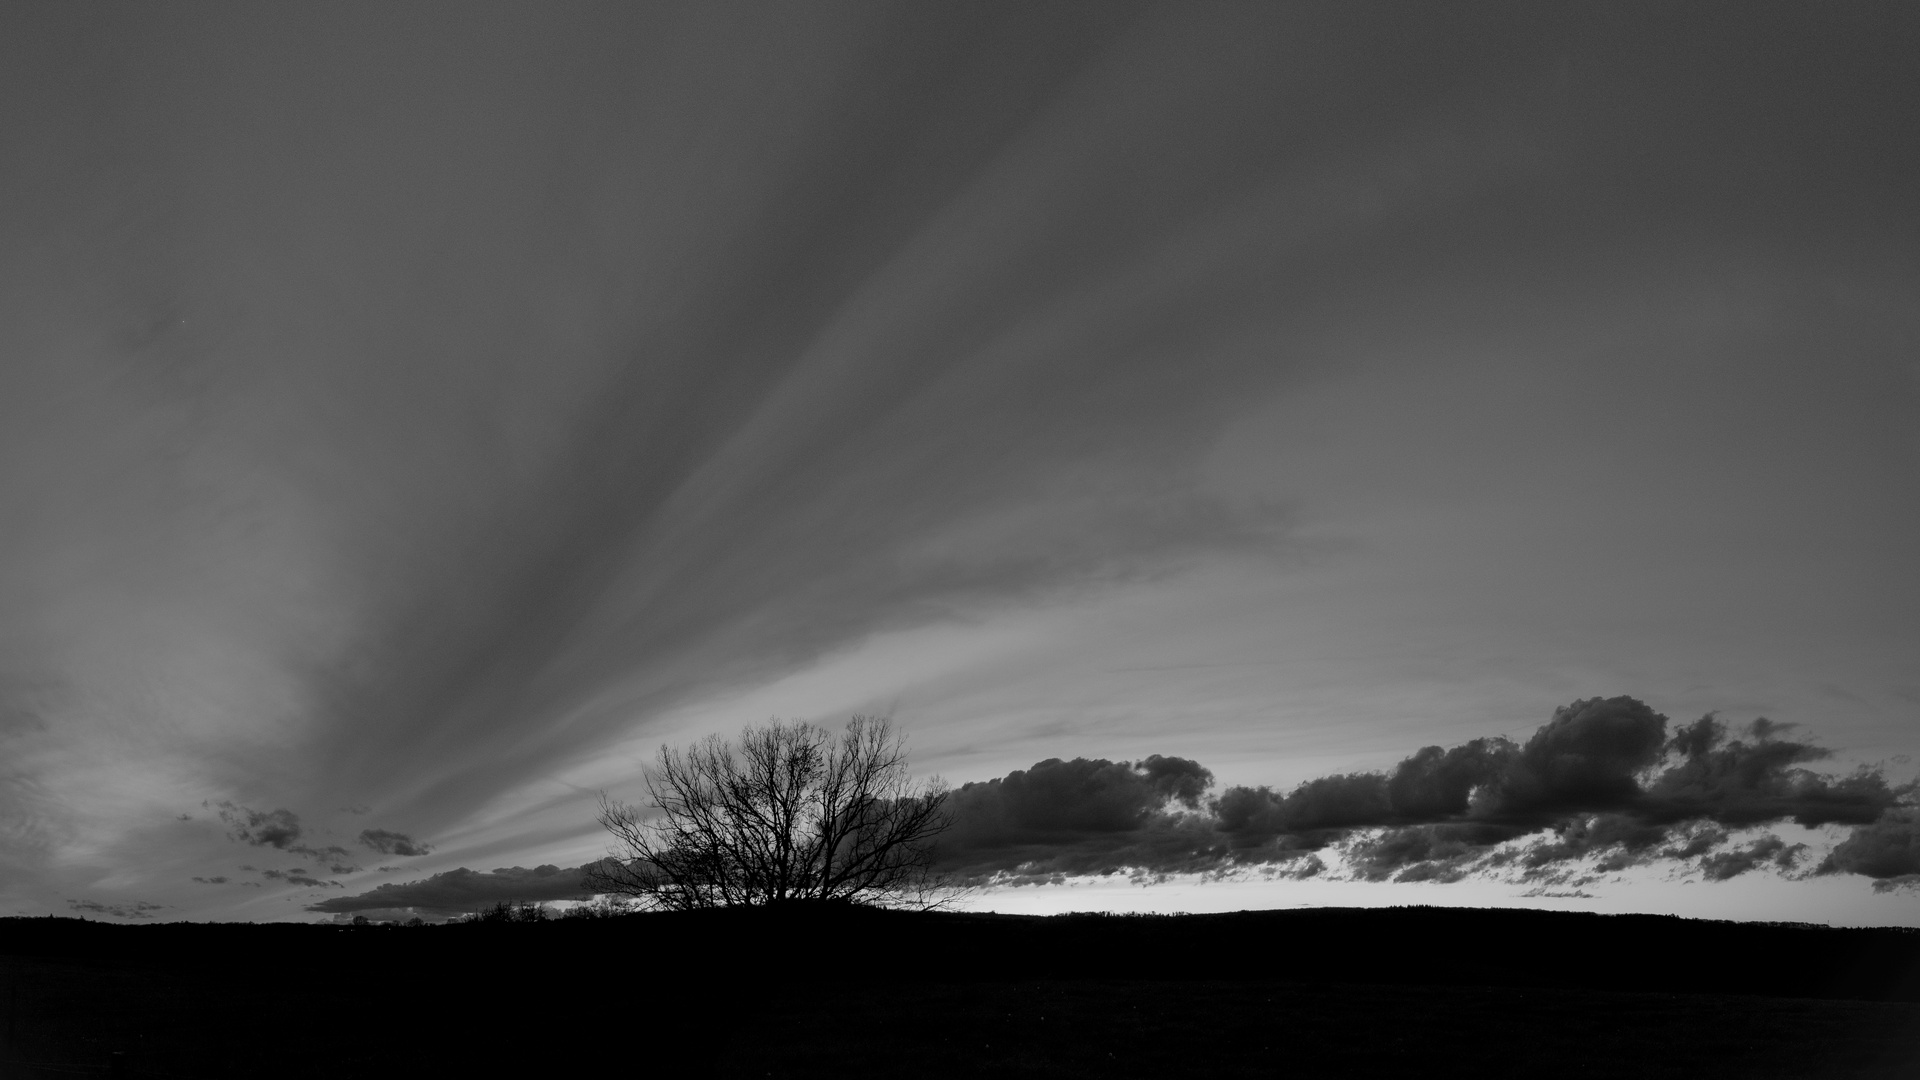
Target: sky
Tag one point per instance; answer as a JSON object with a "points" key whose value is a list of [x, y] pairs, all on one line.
{"points": [[412, 417]]}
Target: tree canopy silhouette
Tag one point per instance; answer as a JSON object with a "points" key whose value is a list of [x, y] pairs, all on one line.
{"points": [[790, 813]]}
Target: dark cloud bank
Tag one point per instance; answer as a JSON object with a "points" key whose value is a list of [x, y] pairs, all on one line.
{"points": [[463, 890], [1606, 784]]}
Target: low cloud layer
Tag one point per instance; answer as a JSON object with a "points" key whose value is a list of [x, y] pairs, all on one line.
{"points": [[1080, 816], [463, 890], [134, 909], [1603, 785]]}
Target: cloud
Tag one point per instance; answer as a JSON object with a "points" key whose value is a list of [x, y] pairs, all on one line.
{"points": [[1082, 795], [1757, 779], [1087, 815], [138, 909], [299, 876], [1768, 850], [463, 890], [330, 853], [1601, 786], [1435, 784], [1422, 852], [211, 880], [1887, 848], [1587, 757], [387, 842], [261, 828], [1604, 781], [281, 829]]}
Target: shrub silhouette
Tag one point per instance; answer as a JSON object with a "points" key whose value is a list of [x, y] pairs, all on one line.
{"points": [[791, 813]]}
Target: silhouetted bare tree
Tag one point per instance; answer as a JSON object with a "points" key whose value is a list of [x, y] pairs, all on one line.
{"points": [[790, 813]]}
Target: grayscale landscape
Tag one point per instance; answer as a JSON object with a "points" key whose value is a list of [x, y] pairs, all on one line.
{"points": [[918, 537]]}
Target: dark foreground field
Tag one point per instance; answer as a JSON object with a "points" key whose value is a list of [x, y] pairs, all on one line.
{"points": [[1402, 992]]}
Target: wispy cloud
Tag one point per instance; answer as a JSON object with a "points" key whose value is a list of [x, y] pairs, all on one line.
{"points": [[298, 876]]}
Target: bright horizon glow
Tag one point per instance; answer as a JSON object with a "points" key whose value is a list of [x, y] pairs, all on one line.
{"points": [[1827, 902]]}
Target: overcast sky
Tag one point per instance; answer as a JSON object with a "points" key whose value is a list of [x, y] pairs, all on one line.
{"points": [[413, 416]]}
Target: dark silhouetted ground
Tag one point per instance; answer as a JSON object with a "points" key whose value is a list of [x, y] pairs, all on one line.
{"points": [[1398, 992]]}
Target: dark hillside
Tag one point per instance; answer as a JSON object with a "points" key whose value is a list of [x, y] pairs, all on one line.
{"points": [[1418, 946], [842, 991]]}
